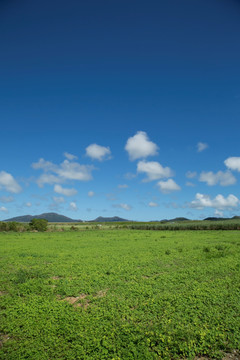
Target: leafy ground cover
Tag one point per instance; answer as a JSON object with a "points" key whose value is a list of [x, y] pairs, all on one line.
{"points": [[119, 294]]}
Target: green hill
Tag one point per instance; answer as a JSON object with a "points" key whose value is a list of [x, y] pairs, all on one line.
{"points": [[50, 217]]}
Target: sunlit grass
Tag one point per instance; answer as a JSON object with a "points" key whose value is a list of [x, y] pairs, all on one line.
{"points": [[128, 294]]}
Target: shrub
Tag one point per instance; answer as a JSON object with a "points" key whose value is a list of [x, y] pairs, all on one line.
{"points": [[13, 226], [38, 224], [3, 226]]}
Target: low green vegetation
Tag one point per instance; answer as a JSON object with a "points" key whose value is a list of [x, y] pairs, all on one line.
{"points": [[33, 225], [130, 294], [230, 224], [43, 225]]}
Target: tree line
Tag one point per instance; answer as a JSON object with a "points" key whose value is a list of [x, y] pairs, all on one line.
{"points": [[34, 225]]}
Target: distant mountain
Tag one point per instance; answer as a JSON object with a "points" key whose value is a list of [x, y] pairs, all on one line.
{"points": [[51, 217], [108, 219], [212, 218], [178, 219]]}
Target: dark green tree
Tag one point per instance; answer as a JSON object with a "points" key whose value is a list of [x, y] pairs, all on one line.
{"points": [[38, 224]]}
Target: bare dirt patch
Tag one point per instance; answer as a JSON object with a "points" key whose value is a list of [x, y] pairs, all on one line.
{"points": [[76, 301], [3, 339], [234, 355], [83, 305], [101, 293], [73, 299], [2, 293]]}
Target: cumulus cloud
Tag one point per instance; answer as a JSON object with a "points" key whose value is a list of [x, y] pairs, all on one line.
{"points": [[233, 163], [28, 204], [8, 183], [98, 152], [222, 178], [48, 179], [219, 202], [123, 206], [75, 171], [3, 209], [67, 170], [139, 146], [191, 174], [73, 206], [152, 204], [201, 146], [153, 170], [70, 156], [44, 165], [67, 192], [168, 186], [91, 193]]}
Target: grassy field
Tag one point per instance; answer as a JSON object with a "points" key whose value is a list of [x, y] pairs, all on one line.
{"points": [[119, 294]]}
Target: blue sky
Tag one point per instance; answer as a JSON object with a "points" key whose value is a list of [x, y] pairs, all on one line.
{"points": [[127, 108]]}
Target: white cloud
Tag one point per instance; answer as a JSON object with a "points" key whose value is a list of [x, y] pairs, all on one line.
{"points": [[8, 183], [152, 204], [67, 192], [44, 165], [91, 193], [73, 206], [70, 156], [233, 163], [3, 209], [223, 178], [153, 170], [75, 171], [139, 146], [201, 146], [219, 202], [58, 199], [191, 174], [67, 170], [189, 183], [48, 179], [123, 186], [28, 204], [168, 186], [123, 206], [98, 152], [218, 213]]}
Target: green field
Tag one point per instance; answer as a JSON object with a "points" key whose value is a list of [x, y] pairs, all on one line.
{"points": [[119, 294]]}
